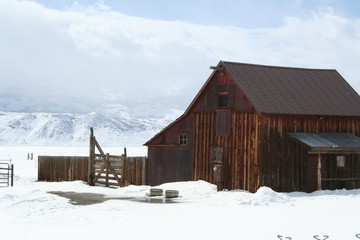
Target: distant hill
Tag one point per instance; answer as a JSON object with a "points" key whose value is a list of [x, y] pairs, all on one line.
{"points": [[62, 129]]}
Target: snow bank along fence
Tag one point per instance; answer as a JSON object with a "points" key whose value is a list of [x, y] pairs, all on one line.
{"points": [[111, 170], [97, 169], [6, 173]]}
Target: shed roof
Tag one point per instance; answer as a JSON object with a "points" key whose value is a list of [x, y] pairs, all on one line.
{"points": [[329, 142], [287, 90]]}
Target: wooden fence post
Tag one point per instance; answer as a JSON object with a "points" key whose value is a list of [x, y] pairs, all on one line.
{"points": [[319, 172], [124, 175], [107, 170], [91, 171], [125, 153], [12, 175], [143, 171]]}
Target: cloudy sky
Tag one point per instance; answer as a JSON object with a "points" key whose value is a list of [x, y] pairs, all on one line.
{"points": [[150, 57]]}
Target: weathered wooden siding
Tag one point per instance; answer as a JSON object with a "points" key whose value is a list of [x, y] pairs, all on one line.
{"points": [[62, 168], [239, 150], [282, 161], [71, 168], [133, 171], [168, 161], [258, 152], [168, 164], [233, 129], [171, 136], [243, 154], [208, 101], [154, 169], [331, 172], [204, 139]]}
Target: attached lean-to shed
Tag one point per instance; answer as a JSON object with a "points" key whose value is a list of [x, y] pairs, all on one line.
{"points": [[255, 125]]}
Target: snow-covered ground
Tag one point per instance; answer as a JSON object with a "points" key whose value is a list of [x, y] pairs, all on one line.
{"points": [[28, 211]]}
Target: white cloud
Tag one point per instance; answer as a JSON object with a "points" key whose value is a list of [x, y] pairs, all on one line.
{"points": [[96, 57]]}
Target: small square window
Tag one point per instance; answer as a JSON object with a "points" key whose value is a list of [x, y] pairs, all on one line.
{"points": [[223, 101], [340, 161], [183, 139]]}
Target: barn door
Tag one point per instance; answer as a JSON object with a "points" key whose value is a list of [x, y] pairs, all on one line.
{"points": [[312, 171], [183, 165], [217, 170]]}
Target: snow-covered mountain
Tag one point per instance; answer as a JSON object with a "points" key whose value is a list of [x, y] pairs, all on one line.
{"points": [[63, 129]]}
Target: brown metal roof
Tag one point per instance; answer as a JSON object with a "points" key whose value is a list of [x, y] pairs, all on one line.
{"points": [[285, 90]]}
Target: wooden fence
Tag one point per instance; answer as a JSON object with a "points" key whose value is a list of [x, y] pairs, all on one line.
{"points": [[97, 169], [62, 168], [129, 170]]}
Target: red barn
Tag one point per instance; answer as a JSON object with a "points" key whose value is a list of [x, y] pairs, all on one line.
{"points": [[292, 129]]}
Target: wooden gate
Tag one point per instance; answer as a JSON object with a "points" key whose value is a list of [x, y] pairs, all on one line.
{"points": [[110, 170]]}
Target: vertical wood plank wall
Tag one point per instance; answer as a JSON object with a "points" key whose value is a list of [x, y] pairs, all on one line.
{"points": [[71, 168], [258, 151], [204, 138], [62, 168], [239, 150], [282, 161]]}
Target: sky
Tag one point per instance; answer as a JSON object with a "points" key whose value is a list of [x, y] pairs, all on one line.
{"points": [[150, 58]]}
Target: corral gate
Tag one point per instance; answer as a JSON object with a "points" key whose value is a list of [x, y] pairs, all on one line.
{"points": [[111, 170], [6, 173]]}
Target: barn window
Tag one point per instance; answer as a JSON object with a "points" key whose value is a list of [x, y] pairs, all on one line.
{"points": [[183, 139], [217, 155], [223, 99], [340, 161]]}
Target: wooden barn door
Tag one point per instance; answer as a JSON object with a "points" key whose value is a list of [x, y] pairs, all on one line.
{"points": [[312, 171], [184, 165], [154, 168], [217, 162]]}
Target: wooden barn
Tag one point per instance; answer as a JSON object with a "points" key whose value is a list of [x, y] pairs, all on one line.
{"points": [[291, 129]]}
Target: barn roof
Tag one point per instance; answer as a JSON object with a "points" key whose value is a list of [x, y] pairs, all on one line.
{"points": [[286, 90]]}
